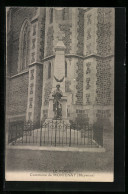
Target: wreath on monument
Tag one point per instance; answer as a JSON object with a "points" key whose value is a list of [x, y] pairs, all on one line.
{"points": [[59, 80]]}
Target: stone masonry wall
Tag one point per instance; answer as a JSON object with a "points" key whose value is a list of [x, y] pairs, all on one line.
{"points": [[79, 80], [105, 31], [42, 40], [100, 24], [65, 29], [18, 94], [103, 82], [103, 116], [80, 30], [49, 41], [38, 94], [89, 81]]}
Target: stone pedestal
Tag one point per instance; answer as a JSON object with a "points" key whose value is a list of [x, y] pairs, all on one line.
{"points": [[59, 65], [64, 107], [50, 109]]}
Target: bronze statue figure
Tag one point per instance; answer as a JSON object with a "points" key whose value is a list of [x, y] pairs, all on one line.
{"points": [[57, 106]]}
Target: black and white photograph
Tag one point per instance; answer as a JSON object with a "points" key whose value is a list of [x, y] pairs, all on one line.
{"points": [[60, 65]]}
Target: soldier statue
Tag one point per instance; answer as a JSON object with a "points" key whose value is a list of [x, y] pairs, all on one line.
{"points": [[57, 106]]}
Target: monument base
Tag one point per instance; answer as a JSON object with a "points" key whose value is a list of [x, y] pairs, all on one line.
{"points": [[58, 121]]}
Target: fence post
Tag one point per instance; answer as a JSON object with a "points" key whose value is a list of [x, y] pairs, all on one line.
{"points": [[33, 131], [90, 128], [7, 131], [41, 134], [70, 137], [52, 132], [55, 131], [16, 133], [77, 133], [102, 136], [22, 132]]}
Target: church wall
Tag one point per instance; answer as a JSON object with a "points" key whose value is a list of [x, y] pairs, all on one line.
{"points": [[17, 18], [63, 27], [99, 49], [103, 82], [105, 66], [99, 31], [9, 53], [53, 30], [17, 95], [49, 36], [74, 30], [41, 34], [70, 85], [46, 87], [15, 52], [36, 67], [79, 82], [36, 17], [89, 85], [105, 31], [90, 32], [38, 93], [34, 94], [80, 32], [71, 30], [74, 84]]}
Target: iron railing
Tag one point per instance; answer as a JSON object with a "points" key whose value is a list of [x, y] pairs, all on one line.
{"points": [[98, 133], [15, 131], [56, 133]]}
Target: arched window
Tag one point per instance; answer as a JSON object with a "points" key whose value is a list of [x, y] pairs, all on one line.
{"points": [[24, 46], [65, 69], [65, 14], [50, 15], [49, 70]]}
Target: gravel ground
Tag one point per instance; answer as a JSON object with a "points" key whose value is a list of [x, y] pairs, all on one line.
{"points": [[30, 160]]}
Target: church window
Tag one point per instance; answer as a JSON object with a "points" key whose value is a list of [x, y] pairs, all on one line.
{"points": [[51, 15], [88, 83], [88, 33], [87, 99], [89, 19], [32, 74], [31, 88], [88, 68], [65, 14], [34, 30], [24, 47], [30, 105], [49, 70], [33, 43], [65, 69], [88, 47], [33, 57]]}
